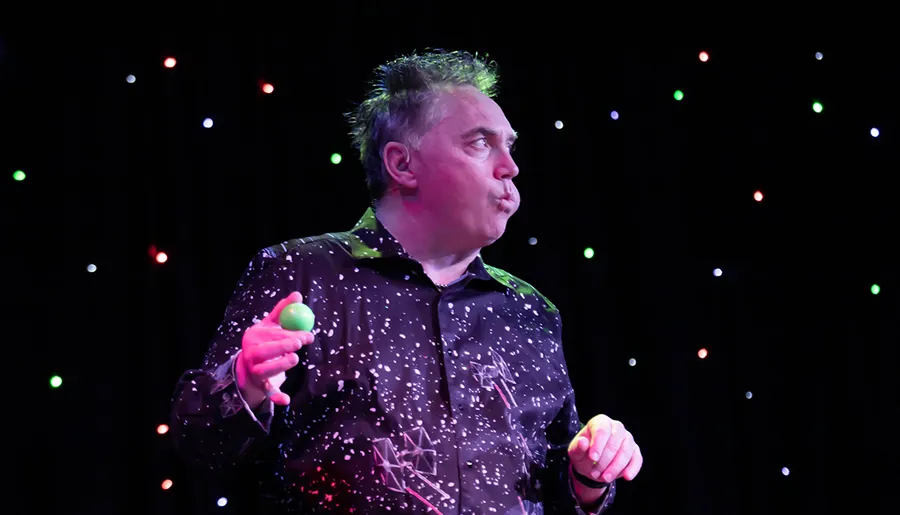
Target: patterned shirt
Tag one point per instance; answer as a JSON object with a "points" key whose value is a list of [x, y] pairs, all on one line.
{"points": [[413, 396]]}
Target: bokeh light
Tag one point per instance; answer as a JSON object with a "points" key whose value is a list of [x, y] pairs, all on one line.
{"points": [[268, 88], [614, 115], [162, 429], [874, 132], [208, 123], [19, 175], [55, 381], [817, 107], [875, 289], [335, 158], [702, 353], [166, 484], [678, 94], [130, 79], [758, 196], [169, 62], [558, 124], [161, 257], [589, 253], [704, 57]]}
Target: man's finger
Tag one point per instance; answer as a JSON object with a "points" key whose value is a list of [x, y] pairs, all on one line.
{"points": [[578, 449], [276, 366], [634, 466], [617, 464], [276, 311], [277, 396], [617, 439], [271, 350], [599, 437]]}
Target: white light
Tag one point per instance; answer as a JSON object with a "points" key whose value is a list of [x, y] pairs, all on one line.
{"points": [[874, 132], [717, 272], [92, 268], [614, 115], [632, 362], [130, 79], [748, 395], [819, 56], [558, 124], [208, 123], [785, 471], [532, 241], [222, 501]]}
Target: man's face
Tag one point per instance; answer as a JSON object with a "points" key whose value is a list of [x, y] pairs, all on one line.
{"points": [[464, 169]]}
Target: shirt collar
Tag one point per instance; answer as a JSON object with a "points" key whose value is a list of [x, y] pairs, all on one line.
{"points": [[369, 239]]}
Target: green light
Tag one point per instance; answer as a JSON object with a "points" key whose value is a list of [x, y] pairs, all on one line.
{"points": [[19, 175], [55, 381], [875, 289], [335, 158], [678, 94], [817, 107], [589, 253]]}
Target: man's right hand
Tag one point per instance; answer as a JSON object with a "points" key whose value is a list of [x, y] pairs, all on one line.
{"points": [[267, 352]]}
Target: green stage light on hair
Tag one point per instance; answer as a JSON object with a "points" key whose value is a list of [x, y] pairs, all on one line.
{"points": [[817, 107], [678, 94], [19, 175], [589, 253], [335, 158], [55, 381], [876, 289]]}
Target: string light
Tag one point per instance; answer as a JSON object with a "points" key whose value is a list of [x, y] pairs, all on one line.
{"points": [[268, 88], [678, 95], [161, 257], [91, 268], [162, 429], [532, 241], [704, 57], [758, 196], [874, 132], [717, 272], [558, 124], [817, 107], [222, 502], [632, 362], [614, 115], [169, 62], [208, 123], [130, 79], [748, 395], [19, 175], [55, 382], [166, 484], [875, 289], [335, 158], [589, 253], [819, 56], [702, 353]]}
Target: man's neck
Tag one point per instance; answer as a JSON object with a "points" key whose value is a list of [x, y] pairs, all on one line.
{"points": [[423, 240]]}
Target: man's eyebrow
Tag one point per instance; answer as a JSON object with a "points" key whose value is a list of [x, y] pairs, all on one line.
{"points": [[484, 131]]}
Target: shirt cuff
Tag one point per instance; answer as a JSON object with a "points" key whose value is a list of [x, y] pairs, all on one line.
{"points": [[226, 376], [600, 506]]}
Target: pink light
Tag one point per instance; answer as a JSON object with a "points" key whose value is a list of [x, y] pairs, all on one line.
{"points": [[704, 56], [268, 88], [758, 196], [162, 257], [169, 62]]}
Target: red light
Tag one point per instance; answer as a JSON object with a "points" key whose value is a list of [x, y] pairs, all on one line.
{"points": [[758, 196], [704, 56], [702, 353], [169, 62], [162, 257], [268, 88], [162, 429], [166, 484]]}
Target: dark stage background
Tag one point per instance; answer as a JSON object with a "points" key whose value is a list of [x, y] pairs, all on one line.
{"points": [[790, 411]]}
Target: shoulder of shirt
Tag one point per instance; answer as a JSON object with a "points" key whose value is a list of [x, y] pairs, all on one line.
{"points": [[520, 287], [321, 242]]}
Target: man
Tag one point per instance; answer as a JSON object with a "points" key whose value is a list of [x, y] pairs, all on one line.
{"points": [[431, 380]]}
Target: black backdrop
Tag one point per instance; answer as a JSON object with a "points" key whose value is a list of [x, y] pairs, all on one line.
{"points": [[663, 194]]}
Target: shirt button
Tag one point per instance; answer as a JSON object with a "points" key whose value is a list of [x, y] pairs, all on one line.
{"points": [[470, 464]]}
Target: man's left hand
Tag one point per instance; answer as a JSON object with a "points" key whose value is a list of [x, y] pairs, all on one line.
{"points": [[604, 450]]}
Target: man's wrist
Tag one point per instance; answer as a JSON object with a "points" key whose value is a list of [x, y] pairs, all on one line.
{"points": [[254, 397], [587, 496]]}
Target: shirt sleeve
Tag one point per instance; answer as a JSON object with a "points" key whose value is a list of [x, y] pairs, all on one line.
{"points": [[559, 491], [212, 425]]}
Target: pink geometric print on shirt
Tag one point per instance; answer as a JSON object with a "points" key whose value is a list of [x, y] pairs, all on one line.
{"points": [[418, 457], [488, 377]]}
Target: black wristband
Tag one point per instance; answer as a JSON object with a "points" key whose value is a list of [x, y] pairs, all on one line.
{"points": [[588, 482]]}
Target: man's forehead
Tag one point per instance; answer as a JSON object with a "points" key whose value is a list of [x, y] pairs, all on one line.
{"points": [[469, 110]]}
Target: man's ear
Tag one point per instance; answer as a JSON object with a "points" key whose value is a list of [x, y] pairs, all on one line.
{"points": [[396, 162]]}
